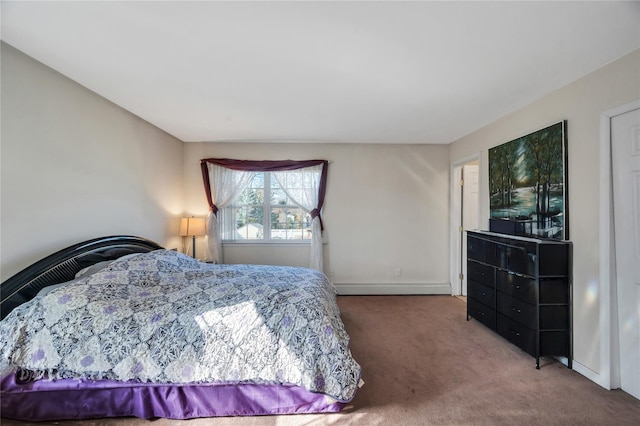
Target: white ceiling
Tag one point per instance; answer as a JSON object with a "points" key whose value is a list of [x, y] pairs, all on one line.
{"points": [[375, 72]]}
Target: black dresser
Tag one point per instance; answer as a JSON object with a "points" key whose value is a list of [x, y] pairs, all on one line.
{"points": [[520, 287]]}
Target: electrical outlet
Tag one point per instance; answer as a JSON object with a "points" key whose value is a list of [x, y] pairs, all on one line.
{"points": [[398, 271]]}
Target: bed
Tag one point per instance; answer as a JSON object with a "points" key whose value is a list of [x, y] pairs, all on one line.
{"points": [[119, 326]]}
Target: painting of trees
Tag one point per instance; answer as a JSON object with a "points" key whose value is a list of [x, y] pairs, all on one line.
{"points": [[527, 180], [502, 166]]}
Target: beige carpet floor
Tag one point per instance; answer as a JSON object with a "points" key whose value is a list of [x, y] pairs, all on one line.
{"points": [[424, 364]]}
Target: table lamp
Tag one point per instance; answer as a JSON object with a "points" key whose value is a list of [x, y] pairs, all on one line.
{"points": [[192, 227]]}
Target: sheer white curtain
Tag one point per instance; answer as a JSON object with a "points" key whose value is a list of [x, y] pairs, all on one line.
{"points": [[302, 187], [226, 186]]}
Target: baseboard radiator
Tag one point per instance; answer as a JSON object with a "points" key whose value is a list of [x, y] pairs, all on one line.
{"points": [[426, 288]]}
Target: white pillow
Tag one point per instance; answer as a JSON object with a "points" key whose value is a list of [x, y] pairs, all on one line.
{"points": [[47, 289], [93, 268], [128, 256], [101, 265]]}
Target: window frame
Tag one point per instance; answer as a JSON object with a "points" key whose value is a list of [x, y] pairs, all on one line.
{"points": [[267, 207], [214, 242]]}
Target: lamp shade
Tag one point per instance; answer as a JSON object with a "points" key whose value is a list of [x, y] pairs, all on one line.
{"points": [[192, 227]]}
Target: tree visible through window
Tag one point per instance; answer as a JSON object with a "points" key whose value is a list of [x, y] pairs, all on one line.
{"points": [[285, 221]]}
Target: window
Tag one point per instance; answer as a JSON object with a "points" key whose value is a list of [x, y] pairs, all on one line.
{"points": [[264, 201], [264, 211]]}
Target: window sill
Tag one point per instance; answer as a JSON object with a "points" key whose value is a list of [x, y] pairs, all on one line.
{"points": [[277, 243]]}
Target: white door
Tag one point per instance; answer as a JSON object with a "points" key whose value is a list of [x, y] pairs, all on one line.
{"points": [[469, 211], [625, 155]]}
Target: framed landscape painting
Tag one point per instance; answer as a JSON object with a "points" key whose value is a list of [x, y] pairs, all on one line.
{"points": [[528, 184]]}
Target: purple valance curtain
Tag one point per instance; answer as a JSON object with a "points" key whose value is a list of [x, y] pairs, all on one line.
{"points": [[209, 167], [265, 165]]}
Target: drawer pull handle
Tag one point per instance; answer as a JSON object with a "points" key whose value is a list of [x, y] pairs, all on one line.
{"points": [[516, 310], [515, 333]]}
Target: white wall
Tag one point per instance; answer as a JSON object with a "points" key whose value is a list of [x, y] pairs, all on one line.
{"points": [[581, 103], [386, 206], [75, 166]]}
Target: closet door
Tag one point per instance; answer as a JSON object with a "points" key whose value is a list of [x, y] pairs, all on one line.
{"points": [[625, 152]]}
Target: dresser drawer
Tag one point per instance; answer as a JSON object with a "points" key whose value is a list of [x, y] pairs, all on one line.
{"points": [[554, 290], [480, 273], [555, 343], [518, 334], [517, 286], [482, 293], [481, 250], [518, 257], [554, 317], [517, 310], [482, 313], [554, 259]]}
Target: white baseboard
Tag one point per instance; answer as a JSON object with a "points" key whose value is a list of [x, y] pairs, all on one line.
{"points": [[591, 375], [392, 288]]}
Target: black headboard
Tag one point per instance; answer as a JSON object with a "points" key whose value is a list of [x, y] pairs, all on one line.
{"points": [[63, 265]]}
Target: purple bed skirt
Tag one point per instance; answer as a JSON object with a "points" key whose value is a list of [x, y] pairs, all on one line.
{"points": [[75, 399]]}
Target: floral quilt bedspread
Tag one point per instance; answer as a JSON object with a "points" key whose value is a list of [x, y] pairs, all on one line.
{"points": [[164, 317]]}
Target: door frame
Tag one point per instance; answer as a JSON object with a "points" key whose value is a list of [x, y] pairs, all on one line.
{"points": [[455, 244], [609, 375]]}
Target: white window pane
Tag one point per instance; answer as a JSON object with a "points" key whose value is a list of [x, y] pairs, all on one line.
{"points": [[278, 197], [249, 221], [284, 221], [258, 180], [290, 223]]}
